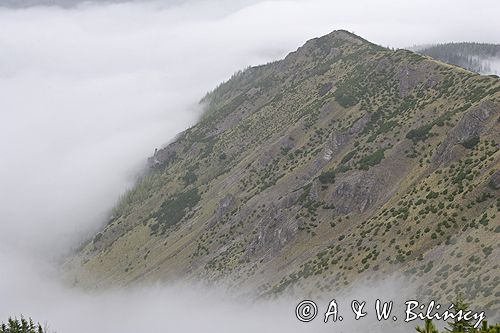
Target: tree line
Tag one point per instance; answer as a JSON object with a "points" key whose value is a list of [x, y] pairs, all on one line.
{"points": [[471, 56]]}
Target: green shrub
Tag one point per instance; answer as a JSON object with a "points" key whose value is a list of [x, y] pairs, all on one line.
{"points": [[371, 160], [327, 177], [176, 207], [471, 142], [348, 157], [420, 133], [345, 97], [190, 177]]}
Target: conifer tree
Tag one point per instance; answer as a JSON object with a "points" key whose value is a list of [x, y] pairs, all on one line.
{"points": [[22, 325], [460, 325], [428, 327]]}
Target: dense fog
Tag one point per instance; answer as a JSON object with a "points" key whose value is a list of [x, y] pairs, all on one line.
{"points": [[88, 90]]}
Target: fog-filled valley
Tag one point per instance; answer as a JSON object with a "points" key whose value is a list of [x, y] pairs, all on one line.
{"points": [[88, 90]]}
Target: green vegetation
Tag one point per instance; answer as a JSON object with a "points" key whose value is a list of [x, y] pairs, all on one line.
{"points": [[371, 160], [22, 325], [459, 325], [348, 157], [345, 97], [327, 177], [465, 55], [190, 177], [428, 327], [420, 133], [173, 210], [471, 142], [275, 163], [140, 192]]}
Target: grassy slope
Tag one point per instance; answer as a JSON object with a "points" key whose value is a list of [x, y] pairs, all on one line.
{"points": [[342, 161]]}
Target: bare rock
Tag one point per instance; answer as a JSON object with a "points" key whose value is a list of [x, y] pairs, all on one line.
{"points": [[163, 157], [408, 80], [471, 125], [337, 141], [383, 65], [274, 233], [495, 180], [358, 191], [225, 205]]}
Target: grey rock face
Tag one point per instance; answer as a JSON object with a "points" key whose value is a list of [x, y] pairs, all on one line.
{"points": [[360, 124], [383, 65], [495, 180], [164, 156], [336, 141], [357, 191], [274, 232], [407, 77], [225, 206], [471, 125]]}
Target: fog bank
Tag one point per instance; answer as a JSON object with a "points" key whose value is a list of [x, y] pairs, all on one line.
{"points": [[88, 90]]}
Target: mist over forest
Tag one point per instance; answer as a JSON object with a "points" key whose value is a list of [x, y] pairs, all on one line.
{"points": [[482, 58]]}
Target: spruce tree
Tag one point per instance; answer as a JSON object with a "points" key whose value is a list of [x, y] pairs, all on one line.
{"points": [[460, 325], [22, 325], [428, 327]]}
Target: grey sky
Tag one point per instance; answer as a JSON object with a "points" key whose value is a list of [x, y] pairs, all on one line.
{"points": [[66, 3], [88, 92], [75, 3]]}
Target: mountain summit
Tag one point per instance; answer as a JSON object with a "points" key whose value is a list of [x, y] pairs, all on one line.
{"points": [[344, 160]]}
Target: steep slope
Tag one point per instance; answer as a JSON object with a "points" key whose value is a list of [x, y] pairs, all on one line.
{"points": [[342, 161]]}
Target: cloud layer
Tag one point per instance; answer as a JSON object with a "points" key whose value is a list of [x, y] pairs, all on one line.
{"points": [[88, 92]]}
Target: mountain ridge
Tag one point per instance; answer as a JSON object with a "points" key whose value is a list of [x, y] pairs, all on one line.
{"points": [[343, 161]]}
